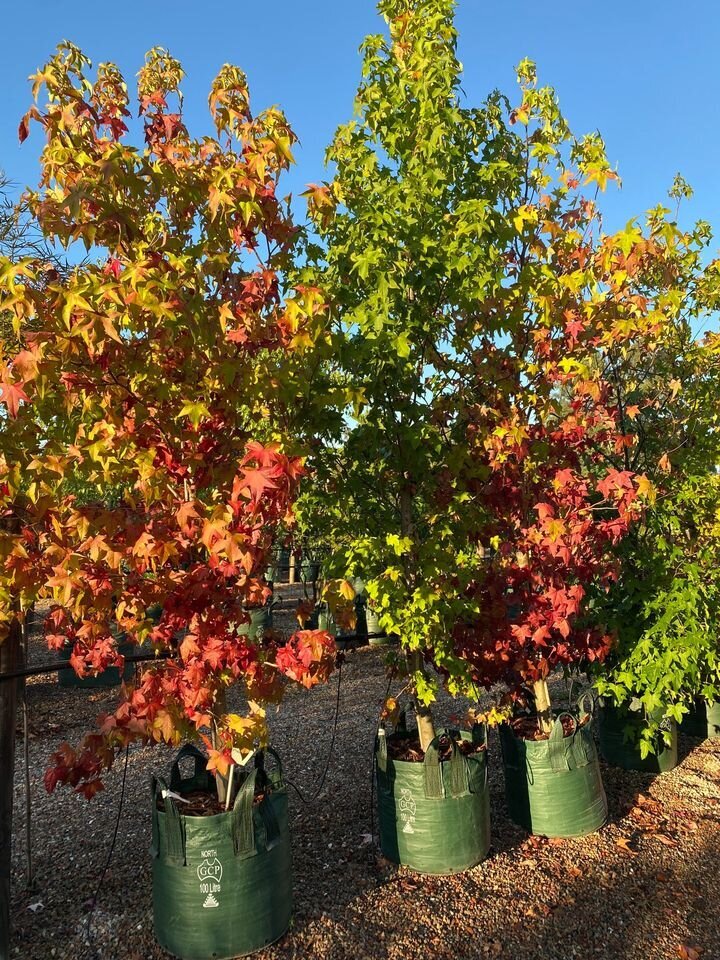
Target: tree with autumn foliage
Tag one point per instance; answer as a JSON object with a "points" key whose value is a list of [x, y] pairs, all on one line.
{"points": [[169, 367], [663, 610], [475, 292], [587, 421]]}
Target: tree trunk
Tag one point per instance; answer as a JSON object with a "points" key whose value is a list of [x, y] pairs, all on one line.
{"points": [[10, 660], [423, 714], [543, 706]]}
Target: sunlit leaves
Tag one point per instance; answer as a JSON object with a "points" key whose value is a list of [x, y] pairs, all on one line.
{"points": [[151, 440]]}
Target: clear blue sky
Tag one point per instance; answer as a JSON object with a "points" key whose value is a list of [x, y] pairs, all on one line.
{"points": [[643, 72]]}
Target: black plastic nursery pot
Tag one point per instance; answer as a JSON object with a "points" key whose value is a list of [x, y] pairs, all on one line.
{"points": [[222, 885], [618, 733], [434, 816], [703, 720], [553, 787], [108, 678]]}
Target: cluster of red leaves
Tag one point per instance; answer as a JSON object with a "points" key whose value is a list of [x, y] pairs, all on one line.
{"points": [[556, 507], [307, 658]]}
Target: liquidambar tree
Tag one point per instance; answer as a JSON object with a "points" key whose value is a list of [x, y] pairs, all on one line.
{"points": [[150, 443], [469, 282]]}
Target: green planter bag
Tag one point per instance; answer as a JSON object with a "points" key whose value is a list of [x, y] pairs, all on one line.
{"points": [[260, 621], [702, 721], [553, 787], [310, 571], [619, 745], [222, 885], [434, 816]]}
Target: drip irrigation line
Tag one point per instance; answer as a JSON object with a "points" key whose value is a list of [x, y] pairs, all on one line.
{"points": [[112, 847], [298, 791]]}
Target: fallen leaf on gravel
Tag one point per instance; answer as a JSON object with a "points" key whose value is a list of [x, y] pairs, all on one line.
{"points": [[664, 838], [575, 871], [689, 953], [624, 844], [538, 910]]}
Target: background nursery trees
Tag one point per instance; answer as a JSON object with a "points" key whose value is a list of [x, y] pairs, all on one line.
{"points": [[167, 369]]}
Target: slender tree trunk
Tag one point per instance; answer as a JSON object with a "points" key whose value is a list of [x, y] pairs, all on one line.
{"points": [[543, 706], [423, 714], [10, 660], [219, 708]]}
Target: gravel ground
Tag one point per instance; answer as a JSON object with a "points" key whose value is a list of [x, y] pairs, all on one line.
{"points": [[643, 888]]}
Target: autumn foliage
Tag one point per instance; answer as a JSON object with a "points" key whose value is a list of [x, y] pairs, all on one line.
{"points": [[148, 448]]}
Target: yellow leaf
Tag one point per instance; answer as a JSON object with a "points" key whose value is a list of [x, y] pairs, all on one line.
{"points": [[347, 590], [646, 489]]}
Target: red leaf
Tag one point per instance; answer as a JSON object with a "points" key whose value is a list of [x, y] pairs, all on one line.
{"points": [[12, 394]]}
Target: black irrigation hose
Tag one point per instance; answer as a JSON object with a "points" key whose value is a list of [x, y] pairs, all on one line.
{"points": [[112, 847], [317, 793], [57, 665]]}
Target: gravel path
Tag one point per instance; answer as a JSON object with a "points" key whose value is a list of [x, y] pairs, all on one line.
{"points": [[644, 888]]}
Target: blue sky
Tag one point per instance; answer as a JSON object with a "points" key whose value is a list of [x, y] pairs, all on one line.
{"points": [[643, 73]]}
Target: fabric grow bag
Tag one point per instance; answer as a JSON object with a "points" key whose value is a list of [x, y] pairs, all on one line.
{"points": [[433, 816], [621, 748], [553, 787], [222, 885], [703, 720], [260, 621]]}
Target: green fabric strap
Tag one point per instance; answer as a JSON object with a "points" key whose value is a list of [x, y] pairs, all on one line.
{"points": [[174, 829], [381, 750], [243, 832], [155, 842], [459, 785], [434, 789], [582, 704], [557, 745]]}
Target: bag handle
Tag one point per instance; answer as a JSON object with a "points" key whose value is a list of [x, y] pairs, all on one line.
{"points": [[200, 779], [456, 767], [582, 700], [381, 750], [260, 763], [174, 829], [242, 827], [557, 748]]}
